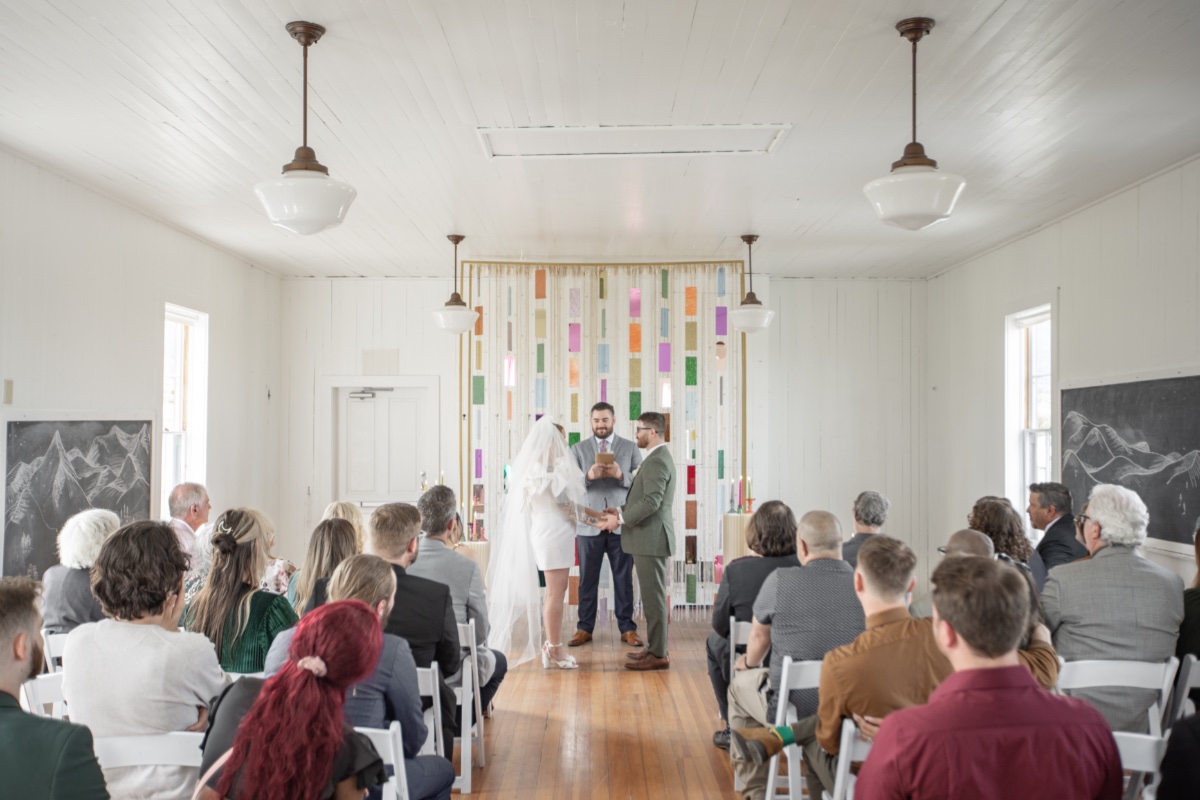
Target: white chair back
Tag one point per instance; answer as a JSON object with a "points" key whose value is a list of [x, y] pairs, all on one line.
{"points": [[851, 749], [466, 633], [739, 634], [794, 675], [429, 685], [1127, 675], [465, 693], [1189, 679], [45, 690], [177, 749], [55, 644], [1142, 755], [390, 746]]}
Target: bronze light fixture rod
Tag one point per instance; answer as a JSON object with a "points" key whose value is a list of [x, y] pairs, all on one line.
{"points": [[307, 34], [750, 239], [914, 29], [455, 297]]}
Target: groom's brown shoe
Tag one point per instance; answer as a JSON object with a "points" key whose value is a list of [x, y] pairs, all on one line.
{"points": [[639, 655], [649, 662], [580, 637]]}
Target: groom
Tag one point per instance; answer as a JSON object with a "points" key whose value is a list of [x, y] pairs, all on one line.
{"points": [[648, 534]]}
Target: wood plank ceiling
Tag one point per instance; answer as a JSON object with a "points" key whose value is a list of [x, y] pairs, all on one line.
{"points": [[178, 107]]}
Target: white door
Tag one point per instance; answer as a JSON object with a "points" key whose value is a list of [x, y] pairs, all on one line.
{"points": [[387, 443]]}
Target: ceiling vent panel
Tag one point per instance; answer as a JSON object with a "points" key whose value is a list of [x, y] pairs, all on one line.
{"points": [[632, 141]]}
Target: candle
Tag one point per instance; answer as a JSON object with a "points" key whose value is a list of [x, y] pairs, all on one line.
{"points": [[442, 478], [749, 493], [741, 490]]}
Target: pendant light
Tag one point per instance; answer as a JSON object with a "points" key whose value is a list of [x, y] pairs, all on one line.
{"points": [[915, 195], [305, 199], [455, 317], [751, 316]]}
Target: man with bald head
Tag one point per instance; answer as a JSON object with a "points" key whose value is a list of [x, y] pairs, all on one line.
{"points": [[802, 612], [968, 542]]}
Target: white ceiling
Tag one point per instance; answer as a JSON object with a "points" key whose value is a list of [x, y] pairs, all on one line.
{"points": [[177, 107]]}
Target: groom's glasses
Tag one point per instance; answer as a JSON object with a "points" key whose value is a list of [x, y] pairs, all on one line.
{"points": [[639, 430]]}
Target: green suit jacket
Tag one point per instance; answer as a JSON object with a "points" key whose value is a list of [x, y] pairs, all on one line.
{"points": [[46, 758], [649, 529]]}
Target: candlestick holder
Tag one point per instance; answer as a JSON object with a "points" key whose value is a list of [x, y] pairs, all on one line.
{"points": [[748, 505]]}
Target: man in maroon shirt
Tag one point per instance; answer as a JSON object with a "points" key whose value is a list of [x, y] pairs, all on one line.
{"points": [[988, 731]]}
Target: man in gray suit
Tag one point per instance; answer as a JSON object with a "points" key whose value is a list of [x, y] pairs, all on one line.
{"points": [[437, 561], [607, 486], [1116, 605]]}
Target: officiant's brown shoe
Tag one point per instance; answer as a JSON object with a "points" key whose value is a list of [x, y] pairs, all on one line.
{"points": [[639, 655], [649, 662], [631, 638], [580, 637]]}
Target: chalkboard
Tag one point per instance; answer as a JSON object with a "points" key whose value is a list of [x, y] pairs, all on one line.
{"points": [[1144, 436]]}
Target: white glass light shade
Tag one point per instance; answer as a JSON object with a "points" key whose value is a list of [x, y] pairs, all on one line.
{"points": [[914, 197], [305, 201], [455, 318], [751, 317]]}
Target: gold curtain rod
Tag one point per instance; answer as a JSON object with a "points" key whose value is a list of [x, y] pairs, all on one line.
{"points": [[604, 264]]}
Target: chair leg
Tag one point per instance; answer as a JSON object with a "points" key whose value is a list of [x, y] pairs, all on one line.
{"points": [[773, 777]]}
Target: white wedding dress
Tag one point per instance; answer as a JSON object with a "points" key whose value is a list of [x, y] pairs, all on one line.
{"points": [[534, 533]]}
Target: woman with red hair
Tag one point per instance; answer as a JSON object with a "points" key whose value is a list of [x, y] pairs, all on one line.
{"points": [[285, 738]]}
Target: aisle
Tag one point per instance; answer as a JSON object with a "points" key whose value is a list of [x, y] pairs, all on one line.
{"points": [[604, 732]]}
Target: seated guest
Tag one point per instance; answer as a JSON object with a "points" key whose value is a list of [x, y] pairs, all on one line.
{"points": [[989, 730], [1116, 605], [423, 614], [39, 757], [437, 561], [286, 737], [772, 534], [237, 617], [967, 542], [391, 691], [870, 512], [996, 517], [67, 592], [1180, 766], [331, 543], [189, 506], [137, 674], [343, 509], [1050, 512], [201, 563], [1189, 630], [858, 679], [802, 612]]}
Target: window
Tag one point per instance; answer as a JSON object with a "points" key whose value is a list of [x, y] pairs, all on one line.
{"points": [[185, 399], [1029, 406]]}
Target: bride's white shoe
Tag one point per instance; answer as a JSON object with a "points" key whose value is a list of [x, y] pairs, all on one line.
{"points": [[567, 663]]}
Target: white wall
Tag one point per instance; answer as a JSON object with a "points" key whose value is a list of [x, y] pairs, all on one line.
{"points": [[83, 287], [846, 401], [1124, 276]]}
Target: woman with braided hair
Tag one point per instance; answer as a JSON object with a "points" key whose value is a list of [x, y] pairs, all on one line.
{"points": [[285, 738], [238, 618]]}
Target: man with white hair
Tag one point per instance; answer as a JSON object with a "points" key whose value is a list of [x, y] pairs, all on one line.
{"points": [[189, 507], [1115, 605], [870, 512]]}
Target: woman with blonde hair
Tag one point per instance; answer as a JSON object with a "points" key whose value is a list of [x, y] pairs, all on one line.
{"points": [[238, 618], [343, 509], [68, 591], [332, 542]]}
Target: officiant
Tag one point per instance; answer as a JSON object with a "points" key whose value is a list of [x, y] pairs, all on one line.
{"points": [[608, 462]]}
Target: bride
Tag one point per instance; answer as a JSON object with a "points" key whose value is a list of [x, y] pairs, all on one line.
{"points": [[537, 532]]}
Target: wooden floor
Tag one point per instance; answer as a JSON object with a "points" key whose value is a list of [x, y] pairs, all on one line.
{"points": [[602, 731]]}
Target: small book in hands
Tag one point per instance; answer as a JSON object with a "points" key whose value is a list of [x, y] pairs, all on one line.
{"points": [[606, 458]]}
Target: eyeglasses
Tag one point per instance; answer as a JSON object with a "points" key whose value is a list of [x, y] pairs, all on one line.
{"points": [[639, 430], [1083, 519]]}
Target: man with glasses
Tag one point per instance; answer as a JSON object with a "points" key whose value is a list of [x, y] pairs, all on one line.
{"points": [[608, 480], [649, 535], [1115, 605]]}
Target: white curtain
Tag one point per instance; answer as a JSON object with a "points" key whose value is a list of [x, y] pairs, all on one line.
{"points": [[555, 339]]}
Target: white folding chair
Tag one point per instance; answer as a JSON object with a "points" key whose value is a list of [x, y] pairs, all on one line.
{"points": [[851, 749], [1189, 679], [429, 685], [55, 644], [390, 746], [45, 690], [177, 749], [794, 675], [739, 634], [1126, 675], [467, 694], [1142, 755]]}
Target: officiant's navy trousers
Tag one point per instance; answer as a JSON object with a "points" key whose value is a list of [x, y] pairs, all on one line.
{"points": [[591, 553]]}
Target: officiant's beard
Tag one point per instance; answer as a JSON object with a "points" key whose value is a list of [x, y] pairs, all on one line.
{"points": [[601, 431]]}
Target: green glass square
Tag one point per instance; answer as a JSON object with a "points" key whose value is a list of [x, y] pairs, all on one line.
{"points": [[603, 289], [664, 284], [477, 390], [604, 323], [691, 370], [635, 405], [572, 439], [541, 358], [720, 465]]}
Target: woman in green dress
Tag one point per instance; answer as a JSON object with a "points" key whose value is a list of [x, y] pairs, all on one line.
{"points": [[238, 618]]}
